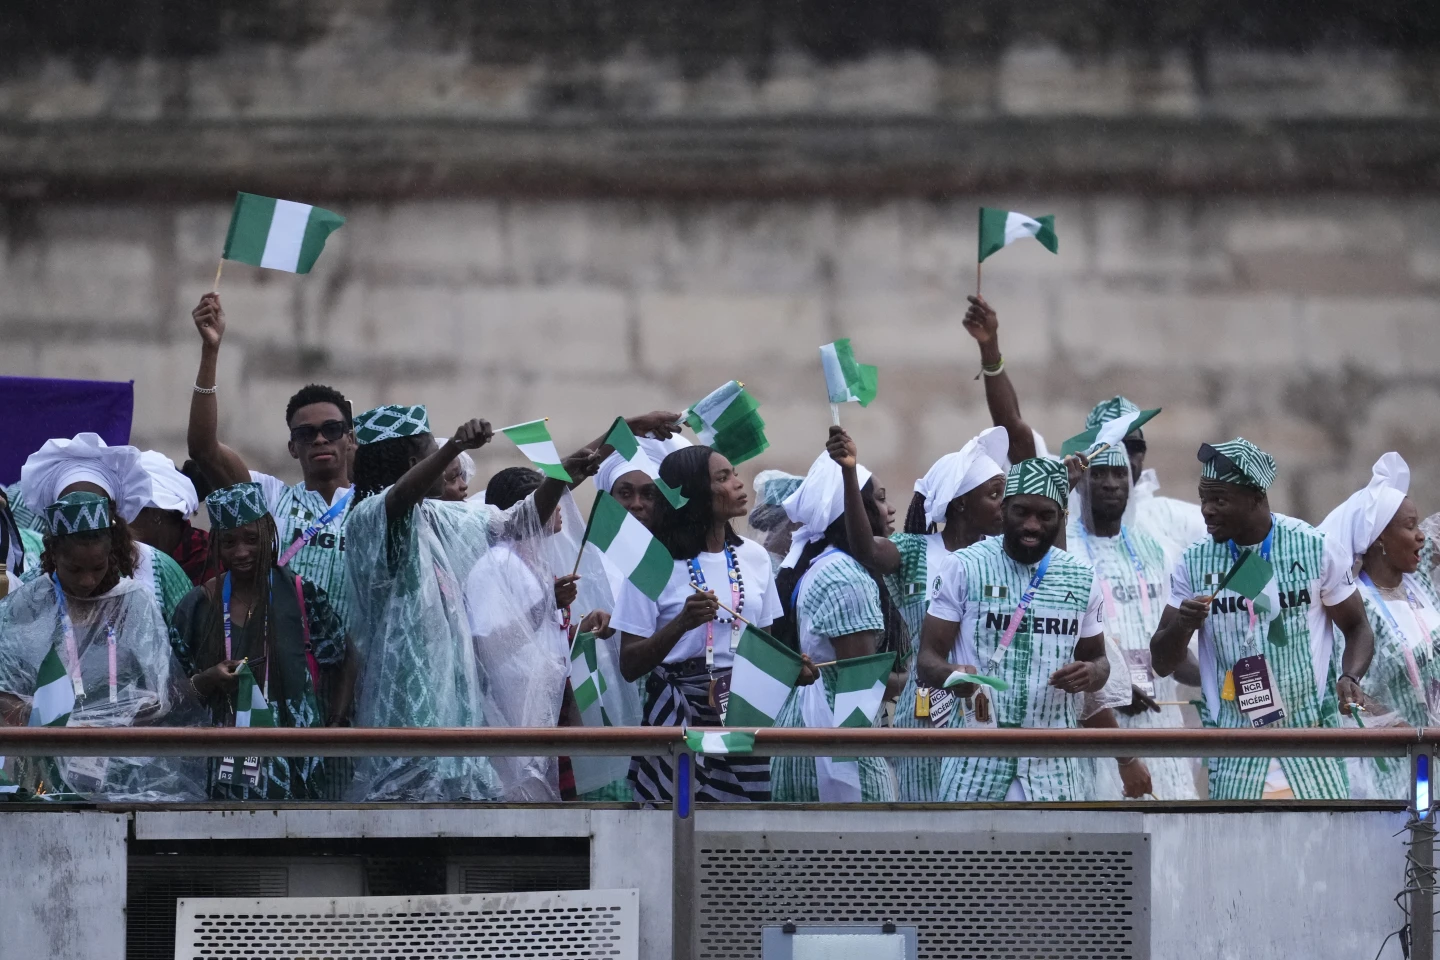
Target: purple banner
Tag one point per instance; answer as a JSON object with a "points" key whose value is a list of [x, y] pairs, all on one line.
{"points": [[35, 409]]}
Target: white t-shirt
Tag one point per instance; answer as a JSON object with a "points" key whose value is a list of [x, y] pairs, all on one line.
{"points": [[638, 614]]}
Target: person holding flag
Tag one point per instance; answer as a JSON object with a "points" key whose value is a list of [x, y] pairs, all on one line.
{"points": [[845, 621], [1265, 592], [407, 560], [85, 645], [682, 638], [1379, 525], [1025, 618], [282, 626]]}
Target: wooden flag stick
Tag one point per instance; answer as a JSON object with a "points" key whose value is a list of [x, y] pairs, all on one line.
{"points": [[977, 278], [215, 287], [835, 414], [696, 587], [827, 663], [588, 524]]}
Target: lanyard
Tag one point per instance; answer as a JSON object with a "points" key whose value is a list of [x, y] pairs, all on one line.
{"points": [[1411, 667], [309, 533], [1265, 554], [697, 577], [1019, 614], [72, 649], [225, 616], [1144, 584]]}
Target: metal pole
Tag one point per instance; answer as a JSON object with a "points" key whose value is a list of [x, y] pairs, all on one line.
{"points": [[1422, 856], [682, 864]]}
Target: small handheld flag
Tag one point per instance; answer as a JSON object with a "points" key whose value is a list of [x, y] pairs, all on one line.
{"points": [[958, 677], [845, 378], [719, 744], [622, 439], [860, 688], [251, 708], [278, 234], [1000, 228], [54, 699], [764, 674], [533, 439], [586, 680], [629, 546], [1111, 433], [728, 419]]}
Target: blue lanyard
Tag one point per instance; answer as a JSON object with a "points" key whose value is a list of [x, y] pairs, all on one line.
{"points": [[1264, 545], [1019, 614], [1379, 601], [314, 528], [1129, 549]]}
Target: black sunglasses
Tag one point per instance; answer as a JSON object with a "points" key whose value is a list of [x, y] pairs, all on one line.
{"points": [[331, 430]]}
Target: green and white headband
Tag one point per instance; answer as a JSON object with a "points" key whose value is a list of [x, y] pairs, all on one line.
{"points": [[77, 513], [236, 506], [391, 422]]}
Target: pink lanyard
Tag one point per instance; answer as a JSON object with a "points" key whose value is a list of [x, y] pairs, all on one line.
{"points": [[697, 577], [1019, 614], [72, 649]]}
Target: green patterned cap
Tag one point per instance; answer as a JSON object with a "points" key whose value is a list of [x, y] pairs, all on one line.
{"points": [[1108, 410], [1111, 457], [77, 513], [231, 507], [389, 422], [1237, 461], [1039, 476]]}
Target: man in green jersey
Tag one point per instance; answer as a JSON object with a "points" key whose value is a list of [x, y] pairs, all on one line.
{"points": [[1266, 660]]}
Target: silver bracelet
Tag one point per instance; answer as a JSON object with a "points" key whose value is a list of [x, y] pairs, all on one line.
{"points": [[206, 390]]}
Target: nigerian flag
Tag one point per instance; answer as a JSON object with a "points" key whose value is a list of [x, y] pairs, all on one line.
{"points": [[1000, 228], [1254, 578], [534, 441], [719, 743], [629, 546], [54, 693], [586, 680], [860, 687], [251, 710], [279, 234], [1111, 433], [845, 378], [765, 671], [622, 439], [728, 419]]}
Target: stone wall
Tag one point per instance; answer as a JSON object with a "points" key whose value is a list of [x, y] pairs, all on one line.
{"points": [[1308, 324]]}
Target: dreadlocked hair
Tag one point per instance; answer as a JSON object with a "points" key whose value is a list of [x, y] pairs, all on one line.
{"points": [[210, 649], [510, 486], [122, 545], [317, 393], [683, 531], [381, 464], [895, 637], [915, 521]]}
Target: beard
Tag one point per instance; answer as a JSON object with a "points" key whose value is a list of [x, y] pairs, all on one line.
{"points": [[1026, 554], [1107, 512]]}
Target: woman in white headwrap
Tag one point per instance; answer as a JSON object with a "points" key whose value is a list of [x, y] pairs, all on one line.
{"points": [[164, 522], [86, 463], [1380, 526]]}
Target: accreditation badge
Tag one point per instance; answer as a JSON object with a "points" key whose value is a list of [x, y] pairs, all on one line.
{"points": [[1142, 677], [720, 693], [1255, 692], [942, 705]]}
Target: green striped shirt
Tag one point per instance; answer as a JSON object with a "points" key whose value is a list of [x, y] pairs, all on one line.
{"points": [[322, 560]]}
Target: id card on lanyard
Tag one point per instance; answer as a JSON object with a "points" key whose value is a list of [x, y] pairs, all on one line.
{"points": [[309, 532], [1025, 600], [1250, 682], [250, 766], [72, 649], [720, 686]]}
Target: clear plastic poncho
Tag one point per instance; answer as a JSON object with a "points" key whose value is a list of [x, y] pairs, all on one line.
{"points": [[150, 688], [410, 627]]}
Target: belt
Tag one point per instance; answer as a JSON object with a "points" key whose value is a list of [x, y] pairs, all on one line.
{"points": [[694, 667]]}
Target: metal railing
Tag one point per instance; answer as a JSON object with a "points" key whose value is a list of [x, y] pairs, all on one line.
{"points": [[1416, 744]]}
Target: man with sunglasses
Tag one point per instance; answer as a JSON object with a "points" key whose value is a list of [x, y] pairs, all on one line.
{"points": [[310, 515]]}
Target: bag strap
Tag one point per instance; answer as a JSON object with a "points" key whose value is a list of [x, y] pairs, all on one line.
{"points": [[310, 662]]}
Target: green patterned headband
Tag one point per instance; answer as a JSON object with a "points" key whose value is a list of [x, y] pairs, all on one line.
{"points": [[1111, 457], [231, 507], [1041, 477], [390, 422], [77, 513], [1108, 410], [1237, 461]]}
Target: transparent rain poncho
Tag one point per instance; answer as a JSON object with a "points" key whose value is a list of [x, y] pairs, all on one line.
{"points": [[418, 666], [150, 688]]}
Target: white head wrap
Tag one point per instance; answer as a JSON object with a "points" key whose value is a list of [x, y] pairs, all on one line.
{"points": [[86, 458], [658, 450], [817, 502], [1358, 522], [170, 489], [616, 466], [467, 466], [956, 474]]}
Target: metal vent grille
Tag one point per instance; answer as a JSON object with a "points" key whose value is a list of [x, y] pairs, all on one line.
{"points": [[973, 897], [155, 883], [501, 874], [568, 925]]}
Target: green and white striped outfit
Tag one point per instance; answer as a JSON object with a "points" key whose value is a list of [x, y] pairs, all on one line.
{"points": [[164, 579], [835, 598], [1309, 576], [1127, 623], [917, 779], [1389, 681], [978, 589]]}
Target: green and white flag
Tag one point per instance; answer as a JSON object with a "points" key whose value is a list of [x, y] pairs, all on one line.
{"points": [[1000, 228], [622, 439], [860, 687], [534, 441], [845, 378], [715, 744], [54, 693], [587, 681], [631, 548], [279, 234], [729, 421], [1254, 578], [764, 674], [251, 710], [1111, 433]]}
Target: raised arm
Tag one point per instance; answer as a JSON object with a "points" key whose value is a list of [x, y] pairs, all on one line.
{"points": [[221, 464], [411, 488], [580, 464], [876, 554], [983, 324]]}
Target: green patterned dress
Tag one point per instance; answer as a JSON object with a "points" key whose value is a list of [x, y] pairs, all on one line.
{"points": [[978, 589], [836, 598], [1309, 577], [917, 779]]}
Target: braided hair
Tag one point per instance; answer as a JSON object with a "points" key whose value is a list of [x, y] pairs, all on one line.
{"points": [[511, 485], [915, 521], [895, 636], [381, 464], [683, 531]]}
